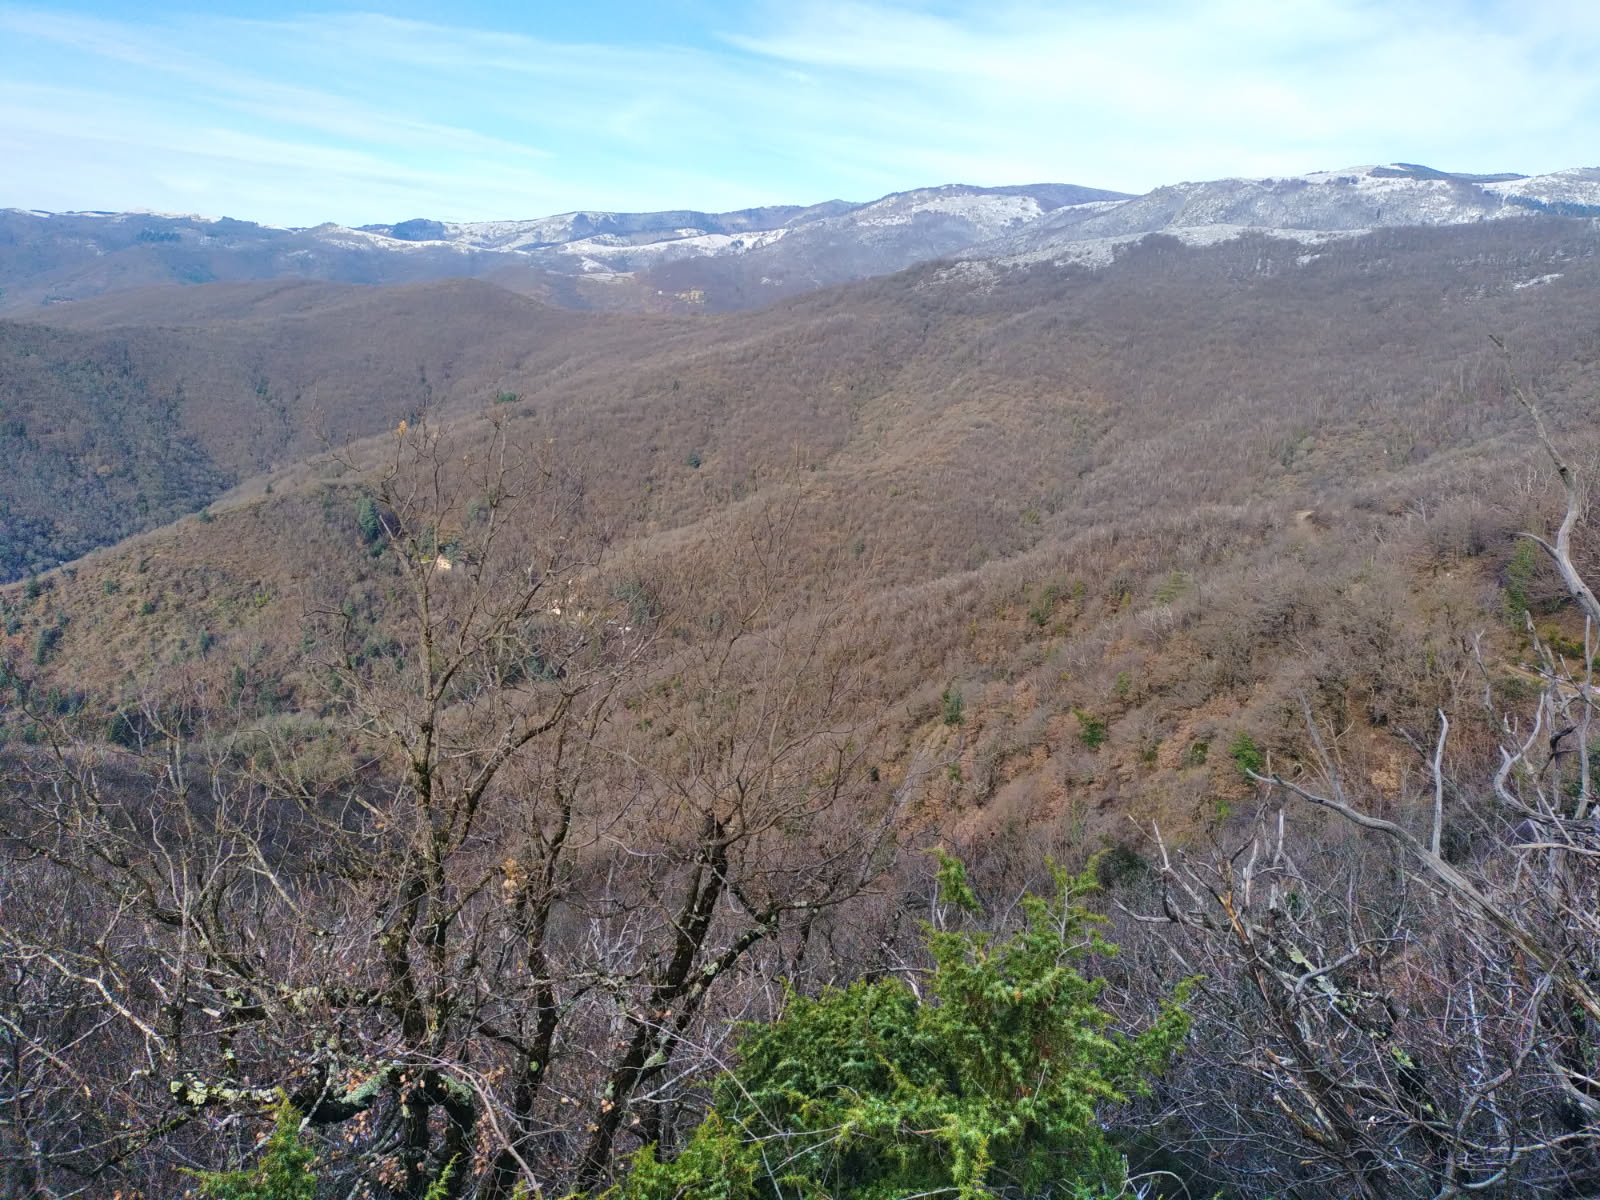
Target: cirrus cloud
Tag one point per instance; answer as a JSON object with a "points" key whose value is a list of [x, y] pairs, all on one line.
{"points": [[362, 116]]}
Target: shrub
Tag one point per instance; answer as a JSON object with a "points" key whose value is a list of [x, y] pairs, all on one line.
{"points": [[1045, 606], [1519, 575], [44, 645], [1119, 863], [639, 598], [1092, 730], [1246, 755], [1175, 584], [125, 728], [369, 521], [954, 706], [992, 1083], [282, 1173]]}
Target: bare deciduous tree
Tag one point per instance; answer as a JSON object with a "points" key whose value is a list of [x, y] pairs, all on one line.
{"points": [[1416, 1019], [482, 921]]}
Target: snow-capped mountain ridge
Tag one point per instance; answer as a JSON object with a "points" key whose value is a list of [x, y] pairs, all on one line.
{"points": [[1348, 201], [1576, 185], [687, 259]]}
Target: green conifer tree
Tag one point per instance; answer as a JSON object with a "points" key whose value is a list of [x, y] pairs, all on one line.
{"points": [[990, 1086], [283, 1171]]}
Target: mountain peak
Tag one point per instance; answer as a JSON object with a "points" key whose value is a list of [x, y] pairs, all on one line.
{"points": [[687, 259]]}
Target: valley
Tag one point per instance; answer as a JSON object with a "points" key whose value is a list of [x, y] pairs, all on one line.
{"points": [[458, 701]]}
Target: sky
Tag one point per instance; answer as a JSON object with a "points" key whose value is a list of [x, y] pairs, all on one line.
{"points": [[493, 109]]}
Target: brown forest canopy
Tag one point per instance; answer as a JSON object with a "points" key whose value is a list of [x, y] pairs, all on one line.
{"points": [[1022, 560], [123, 412]]}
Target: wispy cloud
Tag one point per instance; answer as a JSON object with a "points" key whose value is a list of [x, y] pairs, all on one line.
{"points": [[1157, 90], [362, 116]]}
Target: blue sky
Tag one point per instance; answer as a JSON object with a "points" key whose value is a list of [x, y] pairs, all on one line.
{"points": [[484, 109]]}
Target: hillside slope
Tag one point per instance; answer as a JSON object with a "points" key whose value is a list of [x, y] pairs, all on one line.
{"points": [[129, 410], [1122, 516]]}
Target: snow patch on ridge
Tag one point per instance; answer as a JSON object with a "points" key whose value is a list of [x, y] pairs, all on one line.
{"points": [[1101, 252], [690, 242], [1579, 185], [989, 214]]}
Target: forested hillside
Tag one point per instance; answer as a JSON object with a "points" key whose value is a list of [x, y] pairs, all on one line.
{"points": [[529, 698]]}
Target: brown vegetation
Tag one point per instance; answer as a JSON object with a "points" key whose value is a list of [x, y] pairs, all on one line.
{"points": [[1002, 567]]}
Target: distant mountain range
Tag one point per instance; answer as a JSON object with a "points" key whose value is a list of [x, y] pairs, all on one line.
{"points": [[685, 260], [1301, 207]]}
